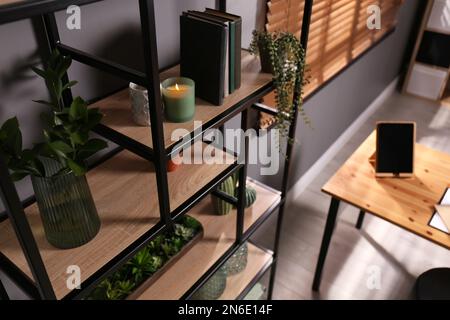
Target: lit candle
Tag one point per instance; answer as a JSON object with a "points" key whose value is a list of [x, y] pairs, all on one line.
{"points": [[179, 99]]}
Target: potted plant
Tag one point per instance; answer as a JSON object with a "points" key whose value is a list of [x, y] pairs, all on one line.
{"points": [[57, 166], [149, 263], [282, 55]]}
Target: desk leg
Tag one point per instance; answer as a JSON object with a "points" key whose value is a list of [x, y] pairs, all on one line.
{"points": [[329, 227], [360, 221], [3, 293]]}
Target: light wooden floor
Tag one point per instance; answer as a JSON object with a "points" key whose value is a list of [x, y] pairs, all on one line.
{"points": [[355, 255]]}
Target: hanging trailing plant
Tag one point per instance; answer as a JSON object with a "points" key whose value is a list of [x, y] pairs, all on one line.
{"points": [[282, 55]]}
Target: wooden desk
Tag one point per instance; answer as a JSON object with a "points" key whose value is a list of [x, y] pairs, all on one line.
{"points": [[407, 203]]}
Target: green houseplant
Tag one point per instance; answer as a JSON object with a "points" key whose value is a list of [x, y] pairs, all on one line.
{"points": [[282, 55], [57, 165], [147, 262]]}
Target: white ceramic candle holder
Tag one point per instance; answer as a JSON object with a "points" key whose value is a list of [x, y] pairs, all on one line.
{"points": [[139, 105]]}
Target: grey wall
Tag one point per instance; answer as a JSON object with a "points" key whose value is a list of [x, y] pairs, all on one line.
{"points": [[111, 29]]}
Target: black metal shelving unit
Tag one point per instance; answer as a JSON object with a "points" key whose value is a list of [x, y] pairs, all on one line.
{"points": [[40, 287]]}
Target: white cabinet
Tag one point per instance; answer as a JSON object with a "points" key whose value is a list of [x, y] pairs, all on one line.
{"points": [[427, 82], [439, 19]]}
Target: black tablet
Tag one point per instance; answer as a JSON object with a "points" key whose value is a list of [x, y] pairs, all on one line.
{"points": [[395, 149]]}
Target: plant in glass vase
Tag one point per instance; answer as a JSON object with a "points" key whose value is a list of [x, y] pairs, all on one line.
{"points": [[57, 166], [282, 55]]}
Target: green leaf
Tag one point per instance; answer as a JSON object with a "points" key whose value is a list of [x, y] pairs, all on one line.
{"points": [[58, 121], [63, 65], [33, 170], [61, 148], [39, 72], [28, 155], [77, 168], [10, 126], [78, 109], [36, 163], [94, 118], [79, 138], [19, 175], [11, 136], [91, 147], [44, 102], [54, 58], [69, 85]]}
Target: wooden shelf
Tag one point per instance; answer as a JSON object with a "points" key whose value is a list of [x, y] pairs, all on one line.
{"points": [[10, 2], [257, 259], [219, 235], [116, 107], [125, 193]]}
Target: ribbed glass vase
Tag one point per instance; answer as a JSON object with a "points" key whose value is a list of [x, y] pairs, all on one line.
{"points": [[214, 287], [238, 261], [67, 209]]}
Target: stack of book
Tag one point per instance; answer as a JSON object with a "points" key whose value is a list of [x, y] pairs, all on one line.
{"points": [[210, 44]]}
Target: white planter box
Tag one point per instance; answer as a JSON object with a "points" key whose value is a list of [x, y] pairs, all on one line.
{"points": [[426, 81], [439, 19]]}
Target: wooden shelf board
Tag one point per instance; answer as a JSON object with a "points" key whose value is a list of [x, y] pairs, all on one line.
{"points": [[124, 190], [117, 107], [219, 235], [9, 2], [257, 259]]}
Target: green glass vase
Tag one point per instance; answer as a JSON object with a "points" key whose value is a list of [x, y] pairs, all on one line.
{"points": [[214, 287], [238, 261], [67, 209]]}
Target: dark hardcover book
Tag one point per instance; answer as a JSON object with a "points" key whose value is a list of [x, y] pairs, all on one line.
{"points": [[230, 25], [202, 45], [237, 22], [229, 71]]}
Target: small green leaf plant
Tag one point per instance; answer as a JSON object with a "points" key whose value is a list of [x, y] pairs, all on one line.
{"points": [[287, 61], [146, 262], [65, 128]]}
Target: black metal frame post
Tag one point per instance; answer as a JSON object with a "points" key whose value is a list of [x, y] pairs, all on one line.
{"points": [[147, 13], [53, 39], [328, 232], [24, 234], [243, 156], [290, 148]]}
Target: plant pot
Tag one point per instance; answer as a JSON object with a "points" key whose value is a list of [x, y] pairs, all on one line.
{"points": [[214, 287], [222, 207], [67, 209], [264, 56], [238, 261], [139, 105]]}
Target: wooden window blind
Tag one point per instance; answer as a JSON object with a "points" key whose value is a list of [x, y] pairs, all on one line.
{"points": [[338, 31]]}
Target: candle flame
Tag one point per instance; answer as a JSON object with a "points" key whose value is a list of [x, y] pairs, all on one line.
{"points": [[176, 87]]}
